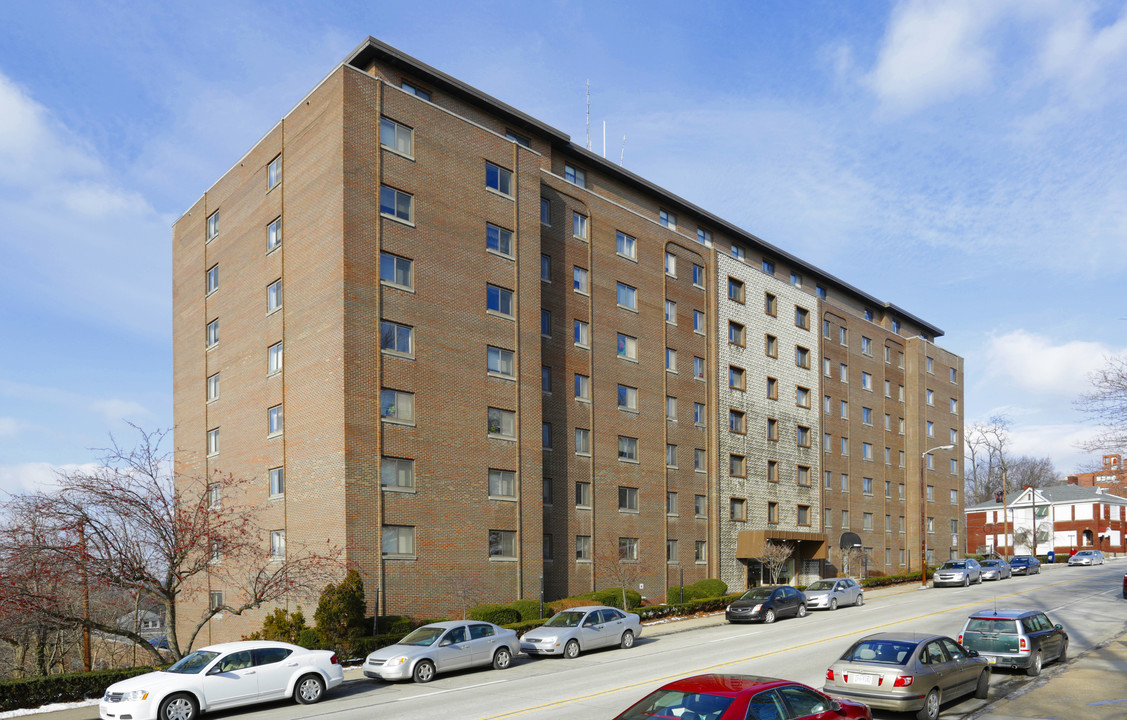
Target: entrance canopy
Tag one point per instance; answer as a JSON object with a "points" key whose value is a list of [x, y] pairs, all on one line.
{"points": [[808, 545]]}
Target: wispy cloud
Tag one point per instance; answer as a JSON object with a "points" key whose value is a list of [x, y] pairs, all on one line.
{"points": [[36, 477], [1029, 362]]}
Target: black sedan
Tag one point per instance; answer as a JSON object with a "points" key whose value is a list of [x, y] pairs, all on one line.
{"points": [[1024, 565], [767, 603]]}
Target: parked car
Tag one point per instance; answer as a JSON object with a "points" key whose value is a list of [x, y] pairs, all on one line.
{"points": [[1024, 565], [908, 672], [741, 697], [1087, 557], [995, 570], [1015, 638], [442, 647], [957, 572], [766, 603], [223, 676], [831, 593], [580, 629]]}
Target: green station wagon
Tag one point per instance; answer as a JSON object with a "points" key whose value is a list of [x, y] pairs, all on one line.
{"points": [[1023, 639]]}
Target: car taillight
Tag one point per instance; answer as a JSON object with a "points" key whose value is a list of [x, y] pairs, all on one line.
{"points": [[830, 674], [960, 640], [333, 659], [1023, 643], [902, 681]]}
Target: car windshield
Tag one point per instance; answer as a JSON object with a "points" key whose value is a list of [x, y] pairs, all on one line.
{"points": [[1021, 560], [990, 563], [677, 704], [192, 664], [889, 652], [953, 566], [424, 636], [567, 618], [759, 593], [1003, 626], [1085, 552], [820, 585]]}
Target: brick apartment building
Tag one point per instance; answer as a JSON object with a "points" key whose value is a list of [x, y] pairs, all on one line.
{"points": [[1067, 517], [507, 359], [1113, 477]]}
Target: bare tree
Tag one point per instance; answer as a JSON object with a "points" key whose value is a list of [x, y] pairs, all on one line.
{"points": [[774, 556], [1106, 404], [987, 449], [623, 571], [133, 525]]}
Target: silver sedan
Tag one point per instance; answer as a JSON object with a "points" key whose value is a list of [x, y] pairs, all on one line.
{"points": [[996, 570], [442, 647], [831, 593], [582, 628]]}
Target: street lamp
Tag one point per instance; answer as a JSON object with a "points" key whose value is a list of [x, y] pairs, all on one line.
{"points": [[923, 513]]}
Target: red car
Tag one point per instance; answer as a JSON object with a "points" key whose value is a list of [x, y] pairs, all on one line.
{"points": [[741, 697]]}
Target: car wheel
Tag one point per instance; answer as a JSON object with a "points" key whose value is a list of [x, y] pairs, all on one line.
{"points": [[802, 610], [982, 690], [1034, 668], [1063, 657], [860, 599], [966, 580], [627, 640], [310, 689], [980, 578], [769, 616], [424, 671], [502, 659], [180, 706], [571, 650], [930, 710], [833, 603]]}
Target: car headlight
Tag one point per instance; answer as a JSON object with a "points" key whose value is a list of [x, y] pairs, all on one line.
{"points": [[757, 608], [135, 695], [728, 608], [397, 660]]}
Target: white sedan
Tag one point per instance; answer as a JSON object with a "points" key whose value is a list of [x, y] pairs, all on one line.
{"points": [[224, 676]]}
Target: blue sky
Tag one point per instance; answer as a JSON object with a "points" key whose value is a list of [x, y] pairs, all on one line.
{"points": [[976, 149]]}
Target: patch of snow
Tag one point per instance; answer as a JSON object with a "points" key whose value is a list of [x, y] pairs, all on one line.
{"points": [[46, 708]]}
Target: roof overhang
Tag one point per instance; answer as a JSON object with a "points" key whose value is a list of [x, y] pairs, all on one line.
{"points": [[811, 545]]}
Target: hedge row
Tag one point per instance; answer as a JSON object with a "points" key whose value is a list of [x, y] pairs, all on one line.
{"points": [[71, 687], [707, 588]]}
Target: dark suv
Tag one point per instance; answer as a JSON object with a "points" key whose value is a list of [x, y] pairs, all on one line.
{"points": [[1015, 638]]}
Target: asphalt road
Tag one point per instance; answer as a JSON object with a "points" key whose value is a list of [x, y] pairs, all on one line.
{"points": [[600, 684]]}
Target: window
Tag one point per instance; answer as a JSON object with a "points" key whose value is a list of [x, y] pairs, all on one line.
{"points": [[627, 548], [396, 338], [583, 548], [671, 409], [502, 483], [626, 246], [499, 300], [670, 312], [545, 212], [896, 326], [627, 297], [739, 252], [667, 219], [954, 406], [627, 347], [736, 377], [867, 381], [954, 495], [396, 136], [737, 421], [737, 509], [546, 436], [274, 421], [844, 410], [827, 404], [274, 358], [843, 372], [575, 175], [699, 505], [628, 499], [737, 465], [735, 333], [211, 280], [502, 544], [547, 547], [866, 346], [274, 172], [397, 406], [735, 290], [802, 476], [582, 333], [704, 237], [954, 375], [828, 514], [628, 398], [583, 494], [671, 551], [930, 462], [627, 448], [579, 280], [277, 481], [801, 396], [698, 368], [802, 318], [802, 357], [671, 461], [843, 336], [212, 225], [397, 473], [274, 296], [545, 323], [821, 291], [698, 276], [498, 239], [867, 521], [867, 486], [768, 266], [771, 346], [546, 379], [770, 304], [213, 441], [930, 397], [698, 414], [670, 264], [502, 423], [213, 387], [698, 460], [828, 479], [215, 599], [930, 429], [500, 362], [901, 424], [803, 435], [582, 387], [415, 90], [518, 139], [827, 367], [844, 446], [397, 204], [397, 271], [803, 517], [772, 512], [274, 234], [845, 518], [930, 365], [796, 279], [867, 415], [930, 527], [699, 551], [579, 225], [826, 326], [670, 359], [826, 447], [698, 322], [498, 178], [213, 333], [772, 429], [772, 388], [546, 268], [547, 491]]}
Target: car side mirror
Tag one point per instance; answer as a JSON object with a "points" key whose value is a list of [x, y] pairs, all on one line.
{"points": [[1058, 626], [215, 670], [972, 653], [446, 642], [835, 706]]}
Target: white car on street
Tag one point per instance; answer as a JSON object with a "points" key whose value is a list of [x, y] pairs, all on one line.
{"points": [[582, 628], [224, 676], [441, 647], [1087, 557]]}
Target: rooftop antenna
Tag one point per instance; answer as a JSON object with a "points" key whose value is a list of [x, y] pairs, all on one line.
{"points": [[622, 154], [588, 113]]}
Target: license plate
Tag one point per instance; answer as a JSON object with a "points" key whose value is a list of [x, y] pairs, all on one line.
{"points": [[991, 661], [862, 679]]}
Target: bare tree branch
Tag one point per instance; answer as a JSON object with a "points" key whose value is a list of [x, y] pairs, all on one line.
{"points": [[1106, 404]]}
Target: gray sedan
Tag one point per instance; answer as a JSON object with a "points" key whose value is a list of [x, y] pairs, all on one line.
{"points": [[582, 628], [996, 570], [830, 593], [441, 647], [957, 572]]}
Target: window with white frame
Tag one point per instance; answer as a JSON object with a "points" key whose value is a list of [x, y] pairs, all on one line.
{"points": [[211, 279], [582, 334], [583, 494], [667, 219], [213, 333], [213, 441], [395, 203], [397, 406], [670, 359], [580, 280], [582, 387], [212, 225], [670, 408], [398, 540], [698, 460], [274, 358], [396, 271], [575, 175], [274, 172], [579, 225], [396, 136], [415, 90], [670, 264], [627, 347], [499, 300], [739, 252], [277, 544], [627, 498], [213, 387], [499, 240], [626, 246], [583, 548], [627, 448], [698, 276], [627, 296], [502, 423], [274, 296], [274, 421], [274, 234], [627, 548], [500, 361], [698, 322], [397, 473], [499, 179], [502, 483], [627, 398], [698, 414], [698, 368]]}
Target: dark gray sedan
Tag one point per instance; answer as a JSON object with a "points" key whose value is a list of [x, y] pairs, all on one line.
{"points": [[908, 672], [996, 570], [766, 603]]}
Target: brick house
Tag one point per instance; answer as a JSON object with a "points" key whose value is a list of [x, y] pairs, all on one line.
{"points": [[1068, 518]]}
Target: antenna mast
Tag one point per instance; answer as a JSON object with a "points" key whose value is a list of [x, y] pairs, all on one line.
{"points": [[622, 154]]}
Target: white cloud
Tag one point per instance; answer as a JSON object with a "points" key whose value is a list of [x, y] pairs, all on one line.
{"points": [[115, 409], [1034, 363], [36, 476], [1059, 442], [8, 427]]}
